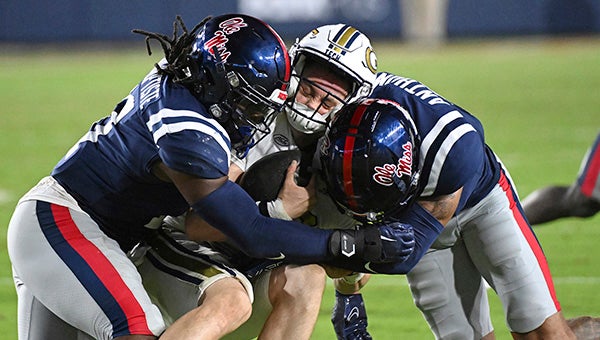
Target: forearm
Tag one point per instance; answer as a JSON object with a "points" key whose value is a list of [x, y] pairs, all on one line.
{"points": [[199, 230], [231, 210], [426, 229], [258, 235]]}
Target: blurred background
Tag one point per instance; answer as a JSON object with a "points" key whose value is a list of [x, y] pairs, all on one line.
{"points": [[422, 21], [528, 69]]}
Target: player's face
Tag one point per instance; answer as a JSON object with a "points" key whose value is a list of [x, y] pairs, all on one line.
{"points": [[321, 90]]}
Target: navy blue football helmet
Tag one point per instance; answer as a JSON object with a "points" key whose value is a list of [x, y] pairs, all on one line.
{"points": [[239, 67], [370, 160]]}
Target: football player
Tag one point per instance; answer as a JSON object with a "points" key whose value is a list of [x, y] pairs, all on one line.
{"points": [[580, 199], [366, 157], [166, 148], [446, 145], [287, 298]]}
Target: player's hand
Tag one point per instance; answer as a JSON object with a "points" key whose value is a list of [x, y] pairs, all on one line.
{"points": [[390, 242], [296, 199], [397, 242]]}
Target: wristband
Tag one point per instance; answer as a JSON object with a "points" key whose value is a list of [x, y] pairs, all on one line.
{"points": [[364, 244]]}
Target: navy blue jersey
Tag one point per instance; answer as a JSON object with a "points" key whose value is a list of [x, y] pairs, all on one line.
{"points": [[109, 170], [453, 149]]}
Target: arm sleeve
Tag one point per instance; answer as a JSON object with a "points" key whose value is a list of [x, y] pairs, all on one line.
{"points": [[231, 210]]}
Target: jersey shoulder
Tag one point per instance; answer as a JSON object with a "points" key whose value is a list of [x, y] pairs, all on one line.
{"points": [[188, 138], [451, 139]]}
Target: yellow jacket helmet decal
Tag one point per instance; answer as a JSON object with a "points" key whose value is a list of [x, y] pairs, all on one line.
{"points": [[344, 47]]}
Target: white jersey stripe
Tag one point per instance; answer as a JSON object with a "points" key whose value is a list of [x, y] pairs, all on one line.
{"points": [[208, 129], [169, 113], [92, 135], [435, 131], [197, 126], [441, 155]]}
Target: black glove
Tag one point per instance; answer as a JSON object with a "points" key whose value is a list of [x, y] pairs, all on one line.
{"points": [[391, 242]]}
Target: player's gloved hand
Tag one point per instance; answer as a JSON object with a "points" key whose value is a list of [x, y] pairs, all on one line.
{"points": [[349, 317], [390, 242], [398, 241]]}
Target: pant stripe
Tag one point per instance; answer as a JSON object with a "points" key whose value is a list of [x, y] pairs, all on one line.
{"points": [[592, 172], [93, 270], [529, 235]]}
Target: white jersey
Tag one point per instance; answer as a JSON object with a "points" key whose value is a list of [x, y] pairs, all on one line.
{"points": [[280, 139], [324, 214]]}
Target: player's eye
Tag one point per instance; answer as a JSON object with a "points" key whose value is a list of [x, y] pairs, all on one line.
{"points": [[330, 103], [305, 89]]}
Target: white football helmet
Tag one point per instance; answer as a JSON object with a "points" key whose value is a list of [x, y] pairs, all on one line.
{"points": [[348, 52]]}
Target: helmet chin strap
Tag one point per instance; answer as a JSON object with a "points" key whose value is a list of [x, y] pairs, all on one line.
{"points": [[240, 137], [369, 217]]}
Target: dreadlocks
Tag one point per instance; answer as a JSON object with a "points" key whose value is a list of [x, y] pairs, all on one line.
{"points": [[176, 49]]}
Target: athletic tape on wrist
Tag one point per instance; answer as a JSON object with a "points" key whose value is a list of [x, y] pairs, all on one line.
{"points": [[276, 210], [352, 278]]}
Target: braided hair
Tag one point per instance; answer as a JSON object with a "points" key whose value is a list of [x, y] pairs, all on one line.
{"points": [[176, 49]]}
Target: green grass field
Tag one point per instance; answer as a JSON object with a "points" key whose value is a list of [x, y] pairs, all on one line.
{"points": [[538, 99]]}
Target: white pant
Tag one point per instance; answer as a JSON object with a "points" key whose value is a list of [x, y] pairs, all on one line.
{"points": [[176, 272], [63, 260]]}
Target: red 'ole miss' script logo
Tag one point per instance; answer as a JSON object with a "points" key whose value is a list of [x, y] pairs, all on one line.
{"points": [[384, 174], [219, 39]]}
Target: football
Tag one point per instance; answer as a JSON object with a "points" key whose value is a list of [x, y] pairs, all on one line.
{"points": [[263, 179]]}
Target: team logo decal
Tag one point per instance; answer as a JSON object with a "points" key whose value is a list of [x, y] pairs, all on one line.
{"points": [[384, 175], [219, 40], [370, 60], [281, 140]]}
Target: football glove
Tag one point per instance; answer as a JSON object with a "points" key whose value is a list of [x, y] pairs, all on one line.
{"points": [[349, 317], [390, 242]]}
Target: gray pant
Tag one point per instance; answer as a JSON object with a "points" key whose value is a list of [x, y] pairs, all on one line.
{"points": [[490, 241]]}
